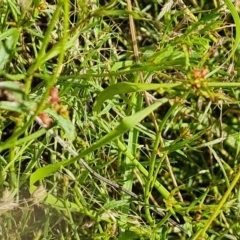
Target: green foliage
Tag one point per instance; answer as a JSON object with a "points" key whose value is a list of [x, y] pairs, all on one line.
{"points": [[147, 94]]}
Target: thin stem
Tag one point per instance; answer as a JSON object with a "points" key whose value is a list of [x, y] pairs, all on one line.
{"points": [[219, 206], [98, 176]]}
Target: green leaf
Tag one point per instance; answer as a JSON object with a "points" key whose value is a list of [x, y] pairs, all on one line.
{"points": [[126, 87], [103, 12], [123, 64], [64, 123], [16, 77], [56, 202], [112, 205], [13, 106], [43, 172], [8, 46], [125, 125], [207, 19], [14, 88], [174, 146]]}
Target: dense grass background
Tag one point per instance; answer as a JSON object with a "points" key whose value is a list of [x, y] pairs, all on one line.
{"points": [[146, 92]]}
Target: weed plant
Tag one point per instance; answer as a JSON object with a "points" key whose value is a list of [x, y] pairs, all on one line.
{"points": [[146, 93]]}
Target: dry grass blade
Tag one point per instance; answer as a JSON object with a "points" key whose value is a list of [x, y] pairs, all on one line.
{"points": [[7, 204], [166, 8]]}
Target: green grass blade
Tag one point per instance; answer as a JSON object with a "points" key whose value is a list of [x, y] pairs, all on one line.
{"points": [[125, 125], [236, 19], [126, 87]]}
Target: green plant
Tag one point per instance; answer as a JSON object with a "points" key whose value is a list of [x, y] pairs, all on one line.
{"points": [[144, 94]]}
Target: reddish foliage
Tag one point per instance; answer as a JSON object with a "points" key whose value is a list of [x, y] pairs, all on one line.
{"points": [[54, 96], [45, 119]]}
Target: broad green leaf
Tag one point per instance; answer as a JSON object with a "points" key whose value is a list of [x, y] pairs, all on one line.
{"points": [[124, 64], [8, 42], [43, 172], [126, 87]]}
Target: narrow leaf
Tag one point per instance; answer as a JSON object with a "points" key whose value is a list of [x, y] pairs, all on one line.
{"points": [[64, 123], [125, 125], [8, 46], [126, 87]]}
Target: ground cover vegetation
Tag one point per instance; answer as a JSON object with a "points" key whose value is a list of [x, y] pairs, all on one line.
{"points": [[119, 119]]}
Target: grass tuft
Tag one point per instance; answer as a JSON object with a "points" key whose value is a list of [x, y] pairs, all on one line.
{"points": [[119, 120]]}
